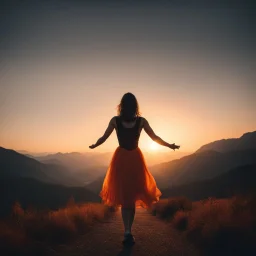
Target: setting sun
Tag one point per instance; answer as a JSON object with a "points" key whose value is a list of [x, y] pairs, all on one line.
{"points": [[154, 146]]}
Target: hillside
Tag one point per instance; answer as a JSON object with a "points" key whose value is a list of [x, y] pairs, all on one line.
{"points": [[238, 181], [13, 164], [199, 166], [31, 192], [246, 141], [96, 185]]}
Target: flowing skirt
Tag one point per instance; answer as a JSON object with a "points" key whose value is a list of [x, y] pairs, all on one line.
{"points": [[128, 182]]}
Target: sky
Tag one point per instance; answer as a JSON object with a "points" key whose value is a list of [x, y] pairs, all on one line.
{"points": [[64, 66]]}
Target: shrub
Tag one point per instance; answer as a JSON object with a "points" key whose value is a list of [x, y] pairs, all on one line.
{"points": [[30, 232], [224, 226], [180, 220], [216, 227], [166, 209]]}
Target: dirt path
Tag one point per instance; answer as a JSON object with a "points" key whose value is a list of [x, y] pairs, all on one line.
{"points": [[153, 238]]}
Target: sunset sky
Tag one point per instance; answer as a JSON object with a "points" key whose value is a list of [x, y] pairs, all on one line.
{"points": [[64, 66]]}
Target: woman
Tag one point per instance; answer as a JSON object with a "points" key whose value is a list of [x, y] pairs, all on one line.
{"points": [[128, 183]]}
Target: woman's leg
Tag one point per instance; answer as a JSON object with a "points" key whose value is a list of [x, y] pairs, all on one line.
{"points": [[128, 217], [132, 213], [125, 216]]}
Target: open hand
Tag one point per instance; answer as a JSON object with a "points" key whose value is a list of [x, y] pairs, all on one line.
{"points": [[92, 146], [173, 146]]}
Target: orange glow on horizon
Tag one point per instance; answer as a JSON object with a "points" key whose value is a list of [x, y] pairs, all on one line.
{"points": [[62, 79]]}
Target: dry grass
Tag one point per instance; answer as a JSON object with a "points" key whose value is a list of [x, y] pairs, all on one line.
{"points": [[32, 232], [167, 208], [217, 227]]}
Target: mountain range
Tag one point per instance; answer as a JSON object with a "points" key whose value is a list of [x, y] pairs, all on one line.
{"points": [[82, 161], [52, 179], [200, 166], [209, 161], [14, 164]]}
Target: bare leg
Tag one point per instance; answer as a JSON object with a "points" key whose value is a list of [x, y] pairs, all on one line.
{"points": [[128, 218], [125, 216], [131, 219]]}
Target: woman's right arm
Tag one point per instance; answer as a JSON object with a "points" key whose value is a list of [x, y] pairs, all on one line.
{"points": [[156, 138]]}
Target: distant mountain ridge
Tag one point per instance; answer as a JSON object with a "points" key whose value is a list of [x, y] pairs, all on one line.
{"points": [[246, 141], [14, 164], [77, 161], [82, 161]]}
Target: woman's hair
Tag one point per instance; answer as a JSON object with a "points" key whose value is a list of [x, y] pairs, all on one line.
{"points": [[128, 109]]}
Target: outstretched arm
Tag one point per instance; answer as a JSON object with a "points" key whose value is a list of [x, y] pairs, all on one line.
{"points": [[107, 133], [156, 138]]}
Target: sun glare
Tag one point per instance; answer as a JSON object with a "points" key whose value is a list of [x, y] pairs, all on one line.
{"points": [[154, 146]]}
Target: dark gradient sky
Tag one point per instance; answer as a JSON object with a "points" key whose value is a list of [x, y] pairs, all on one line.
{"points": [[65, 65]]}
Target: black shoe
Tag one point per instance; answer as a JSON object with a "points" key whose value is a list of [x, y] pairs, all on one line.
{"points": [[128, 239]]}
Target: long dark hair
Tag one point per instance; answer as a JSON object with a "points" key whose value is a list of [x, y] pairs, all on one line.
{"points": [[128, 109]]}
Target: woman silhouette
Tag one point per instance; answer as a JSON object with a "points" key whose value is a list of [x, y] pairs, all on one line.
{"points": [[128, 183]]}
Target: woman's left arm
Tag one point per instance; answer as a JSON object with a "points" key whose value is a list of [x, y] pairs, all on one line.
{"points": [[107, 133]]}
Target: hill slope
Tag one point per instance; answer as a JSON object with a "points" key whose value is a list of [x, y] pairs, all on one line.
{"points": [[199, 166], [240, 180], [13, 164], [31, 192], [246, 141]]}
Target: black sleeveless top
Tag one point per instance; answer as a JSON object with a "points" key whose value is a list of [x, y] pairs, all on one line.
{"points": [[128, 138]]}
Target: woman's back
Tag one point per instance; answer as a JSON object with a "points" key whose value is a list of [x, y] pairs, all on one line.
{"points": [[128, 133]]}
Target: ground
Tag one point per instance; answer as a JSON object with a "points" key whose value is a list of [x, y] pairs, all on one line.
{"points": [[153, 237]]}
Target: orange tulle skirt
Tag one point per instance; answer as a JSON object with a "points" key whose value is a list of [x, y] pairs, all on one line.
{"points": [[128, 182]]}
